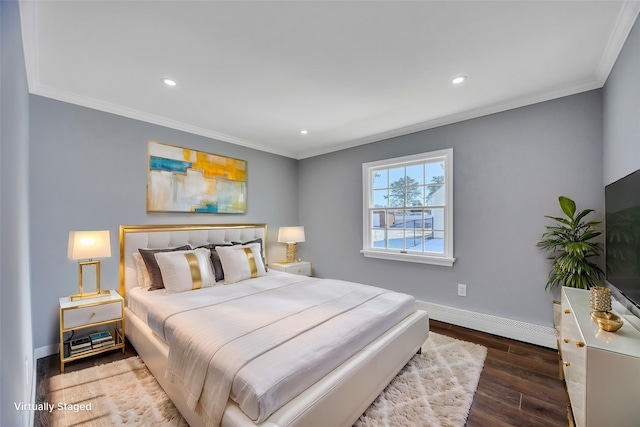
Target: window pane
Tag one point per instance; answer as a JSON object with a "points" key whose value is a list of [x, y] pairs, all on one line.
{"points": [[414, 239], [397, 194], [396, 239], [435, 195], [396, 176], [380, 198], [378, 219], [377, 238], [434, 172], [413, 219], [438, 218], [395, 219], [415, 196], [380, 179], [415, 175]]}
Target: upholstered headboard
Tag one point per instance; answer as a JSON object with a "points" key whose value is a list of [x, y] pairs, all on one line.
{"points": [[134, 237]]}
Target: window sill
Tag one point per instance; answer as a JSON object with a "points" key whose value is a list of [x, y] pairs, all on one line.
{"points": [[397, 256]]}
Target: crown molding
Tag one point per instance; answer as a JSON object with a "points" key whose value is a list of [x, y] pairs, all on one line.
{"points": [[458, 117], [131, 113], [626, 19]]}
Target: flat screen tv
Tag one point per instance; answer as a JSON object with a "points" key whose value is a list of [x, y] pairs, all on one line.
{"points": [[622, 227]]}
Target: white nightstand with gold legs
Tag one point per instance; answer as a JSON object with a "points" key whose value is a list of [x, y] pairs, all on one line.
{"points": [[80, 315]]}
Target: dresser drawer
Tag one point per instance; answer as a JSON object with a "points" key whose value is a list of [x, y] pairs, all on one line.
{"points": [[86, 315]]}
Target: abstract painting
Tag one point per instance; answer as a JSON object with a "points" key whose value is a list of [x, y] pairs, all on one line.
{"points": [[184, 180]]}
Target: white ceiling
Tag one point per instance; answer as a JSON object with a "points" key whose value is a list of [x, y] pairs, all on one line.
{"points": [[350, 72]]}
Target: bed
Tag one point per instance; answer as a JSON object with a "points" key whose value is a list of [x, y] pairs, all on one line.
{"points": [[333, 391]]}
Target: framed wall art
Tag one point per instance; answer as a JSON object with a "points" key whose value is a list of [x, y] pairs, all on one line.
{"points": [[184, 180]]}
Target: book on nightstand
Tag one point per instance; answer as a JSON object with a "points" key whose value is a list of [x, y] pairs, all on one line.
{"points": [[102, 339], [79, 351], [80, 343]]}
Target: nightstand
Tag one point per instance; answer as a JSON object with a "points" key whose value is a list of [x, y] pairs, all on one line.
{"points": [[103, 312], [302, 268]]}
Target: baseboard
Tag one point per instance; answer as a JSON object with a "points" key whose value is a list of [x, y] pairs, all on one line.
{"points": [[522, 331], [45, 351]]}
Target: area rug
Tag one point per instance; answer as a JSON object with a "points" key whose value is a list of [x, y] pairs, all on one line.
{"points": [[435, 388], [121, 393]]}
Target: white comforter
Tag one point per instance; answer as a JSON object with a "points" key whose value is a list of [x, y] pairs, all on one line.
{"points": [[263, 341]]}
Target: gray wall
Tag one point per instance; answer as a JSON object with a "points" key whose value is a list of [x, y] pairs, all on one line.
{"points": [[621, 99], [509, 169], [16, 343], [88, 172]]}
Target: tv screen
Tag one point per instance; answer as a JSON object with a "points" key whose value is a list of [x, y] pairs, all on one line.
{"points": [[622, 226]]}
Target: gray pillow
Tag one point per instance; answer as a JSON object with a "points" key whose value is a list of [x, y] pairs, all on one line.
{"points": [[215, 260]]}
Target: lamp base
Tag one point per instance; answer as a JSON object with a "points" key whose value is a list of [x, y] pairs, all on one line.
{"points": [[76, 297], [292, 250], [97, 292]]}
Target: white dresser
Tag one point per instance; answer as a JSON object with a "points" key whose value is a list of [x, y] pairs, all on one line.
{"points": [[601, 369]]}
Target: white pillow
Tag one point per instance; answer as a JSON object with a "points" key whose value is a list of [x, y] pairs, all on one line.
{"points": [[144, 281], [186, 270], [241, 262]]}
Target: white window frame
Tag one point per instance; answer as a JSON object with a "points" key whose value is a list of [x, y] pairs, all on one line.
{"points": [[368, 250]]}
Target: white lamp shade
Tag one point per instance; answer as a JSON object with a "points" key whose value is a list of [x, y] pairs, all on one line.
{"points": [[291, 234], [89, 244]]}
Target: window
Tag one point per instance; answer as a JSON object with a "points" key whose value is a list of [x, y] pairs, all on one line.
{"points": [[408, 208]]}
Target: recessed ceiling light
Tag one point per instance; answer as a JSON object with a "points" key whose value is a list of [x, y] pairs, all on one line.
{"points": [[304, 132], [458, 80], [169, 82]]}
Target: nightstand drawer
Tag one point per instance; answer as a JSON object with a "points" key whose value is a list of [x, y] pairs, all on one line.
{"points": [[304, 269], [81, 316]]}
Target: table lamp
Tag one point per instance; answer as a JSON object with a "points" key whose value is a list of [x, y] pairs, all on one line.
{"points": [[291, 236], [85, 245]]}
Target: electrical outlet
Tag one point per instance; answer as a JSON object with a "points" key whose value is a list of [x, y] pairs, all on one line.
{"points": [[462, 290]]}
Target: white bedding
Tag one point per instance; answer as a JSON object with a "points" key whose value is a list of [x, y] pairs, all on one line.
{"points": [[260, 382]]}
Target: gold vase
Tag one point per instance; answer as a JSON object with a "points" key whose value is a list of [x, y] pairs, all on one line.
{"points": [[600, 298]]}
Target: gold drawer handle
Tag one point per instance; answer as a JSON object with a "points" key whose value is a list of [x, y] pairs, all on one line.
{"points": [[566, 340], [567, 364], [93, 314], [567, 311], [579, 344]]}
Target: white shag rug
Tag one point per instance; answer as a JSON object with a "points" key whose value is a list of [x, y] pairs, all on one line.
{"points": [[434, 389], [121, 393]]}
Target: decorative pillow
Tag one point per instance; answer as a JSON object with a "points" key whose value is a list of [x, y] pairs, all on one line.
{"points": [[152, 265], [186, 270], [144, 281], [259, 241], [215, 260], [241, 262]]}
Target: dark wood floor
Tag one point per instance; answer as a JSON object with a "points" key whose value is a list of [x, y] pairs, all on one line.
{"points": [[519, 384]]}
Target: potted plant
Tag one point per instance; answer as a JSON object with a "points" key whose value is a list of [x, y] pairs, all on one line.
{"points": [[570, 245]]}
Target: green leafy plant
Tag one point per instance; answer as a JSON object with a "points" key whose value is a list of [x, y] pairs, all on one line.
{"points": [[569, 244]]}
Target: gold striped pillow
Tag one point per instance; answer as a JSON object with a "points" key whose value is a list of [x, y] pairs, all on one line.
{"points": [[241, 262], [186, 270]]}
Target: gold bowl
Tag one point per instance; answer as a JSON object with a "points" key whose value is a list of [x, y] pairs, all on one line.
{"points": [[607, 321]]}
